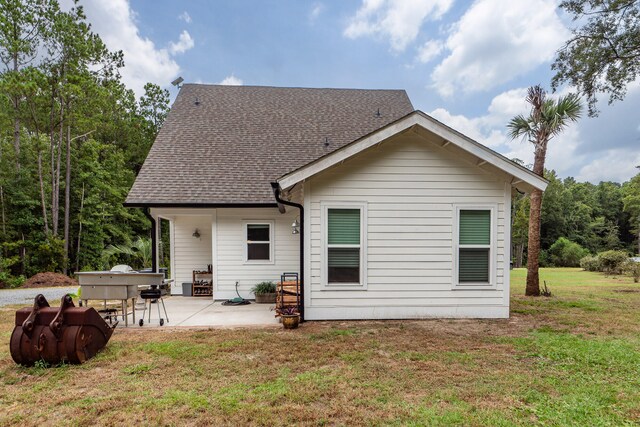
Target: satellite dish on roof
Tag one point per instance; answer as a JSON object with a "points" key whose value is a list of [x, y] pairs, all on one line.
{"points": [[178, 82]]}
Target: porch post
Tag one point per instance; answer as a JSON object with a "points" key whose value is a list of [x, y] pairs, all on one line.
{"points": [[154, 240]]}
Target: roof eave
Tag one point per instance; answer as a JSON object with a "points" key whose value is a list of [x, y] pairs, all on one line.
{"points": [[523, 177], [198, 205]]}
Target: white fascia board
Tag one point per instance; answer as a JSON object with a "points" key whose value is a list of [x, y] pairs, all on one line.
{"points": [[481, 152], [420, 119]]}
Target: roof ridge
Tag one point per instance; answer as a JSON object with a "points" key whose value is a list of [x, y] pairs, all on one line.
{"points": [[293, 87]]}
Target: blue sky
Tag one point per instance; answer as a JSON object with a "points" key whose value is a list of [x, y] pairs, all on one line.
{"points": [[466, 63]]}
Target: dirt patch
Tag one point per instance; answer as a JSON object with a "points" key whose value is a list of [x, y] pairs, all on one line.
{"points": [[627, 291], [46, 280]]}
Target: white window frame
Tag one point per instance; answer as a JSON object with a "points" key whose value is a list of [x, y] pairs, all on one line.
{"points": [[493, 208], [245, 241], [324, 221]]}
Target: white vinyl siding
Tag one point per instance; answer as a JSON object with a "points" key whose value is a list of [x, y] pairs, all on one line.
{"points": [[411, 187], [190, 253], [227, 228], [231, 245]]}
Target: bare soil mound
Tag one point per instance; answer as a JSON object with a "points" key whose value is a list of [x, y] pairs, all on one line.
{"points": [[48, 279]]}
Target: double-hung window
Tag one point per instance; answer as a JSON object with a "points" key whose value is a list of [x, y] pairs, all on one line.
{"points": [[259, 241], [344, 249], [475, 247]]}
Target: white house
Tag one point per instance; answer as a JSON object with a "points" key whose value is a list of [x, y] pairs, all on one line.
{"points": [[399, 215]]}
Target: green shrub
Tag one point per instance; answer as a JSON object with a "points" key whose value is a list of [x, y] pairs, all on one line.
{"points": [[6, 279], [612, 262], [543, 259], [565, 253], [9, 281], [264, 288], [590, 263], [633, 269]]}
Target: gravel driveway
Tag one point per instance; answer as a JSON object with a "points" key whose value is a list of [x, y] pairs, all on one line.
{"points": [[26, 296]]}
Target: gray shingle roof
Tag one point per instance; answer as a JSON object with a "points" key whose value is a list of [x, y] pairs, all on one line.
{"points": [[225, 144]]}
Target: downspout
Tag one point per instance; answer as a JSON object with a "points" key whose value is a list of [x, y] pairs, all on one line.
{"points": [[276, 191], [154, 240]]}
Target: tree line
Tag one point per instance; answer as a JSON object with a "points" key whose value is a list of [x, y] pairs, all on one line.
{"points": [[597, 217], [72, 138]]}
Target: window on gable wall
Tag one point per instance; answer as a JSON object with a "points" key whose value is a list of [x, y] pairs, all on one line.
{"points": [[343, 246], [344, 239], [474, 247]]}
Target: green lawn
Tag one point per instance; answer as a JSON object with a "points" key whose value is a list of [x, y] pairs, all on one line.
{"points": [[572, 359]]}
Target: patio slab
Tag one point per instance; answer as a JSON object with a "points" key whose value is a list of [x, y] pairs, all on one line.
{"points": [[195, 311]]}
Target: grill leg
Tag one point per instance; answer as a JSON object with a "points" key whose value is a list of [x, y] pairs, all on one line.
{"points": [[144, 310], [158, 305], [165, 310]]}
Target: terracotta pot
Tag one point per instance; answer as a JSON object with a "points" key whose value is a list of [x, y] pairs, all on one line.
{"points": [[266, 298], [290, 321]]}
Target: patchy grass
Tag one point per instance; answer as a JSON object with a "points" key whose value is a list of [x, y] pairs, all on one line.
{"points": [[573, 359]]}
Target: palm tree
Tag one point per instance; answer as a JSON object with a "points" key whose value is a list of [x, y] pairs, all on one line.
{"points": [[139, 252], [547, 119]]}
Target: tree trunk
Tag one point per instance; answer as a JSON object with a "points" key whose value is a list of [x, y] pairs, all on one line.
{"points": [[16, 107], [79, 229], [533, 247], [4, 226], [23, 257], [67, 200], [519, 254], [52, 143], [16, 133], [55, 208], [42, 198]]}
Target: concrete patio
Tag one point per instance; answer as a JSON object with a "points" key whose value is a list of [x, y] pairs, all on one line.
{"points": [[195, 311]]}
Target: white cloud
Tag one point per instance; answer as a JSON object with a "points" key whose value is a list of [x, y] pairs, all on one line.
{"points": [[496, 41], [184, 16], [316, 10], [399, 21], [231, 81], [616, 165], [490, 129], [429, 50], [184, 43], [115, 22]]}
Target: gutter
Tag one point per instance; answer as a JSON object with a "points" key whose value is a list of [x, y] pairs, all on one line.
{"points": [[196, 205], [276, 192], [154, 240]]}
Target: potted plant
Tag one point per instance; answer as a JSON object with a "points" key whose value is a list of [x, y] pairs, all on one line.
{"points": [[290, 317], [265, 292]]}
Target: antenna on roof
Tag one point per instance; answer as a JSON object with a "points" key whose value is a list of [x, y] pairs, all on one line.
{"points": [[197, 102], [178, 82], [378, 113]]}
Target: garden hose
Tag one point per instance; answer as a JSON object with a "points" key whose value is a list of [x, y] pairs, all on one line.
{"points": [[236, 301]]}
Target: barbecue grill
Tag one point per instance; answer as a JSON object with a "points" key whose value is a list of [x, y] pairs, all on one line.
{"points": [[151, 296]]}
